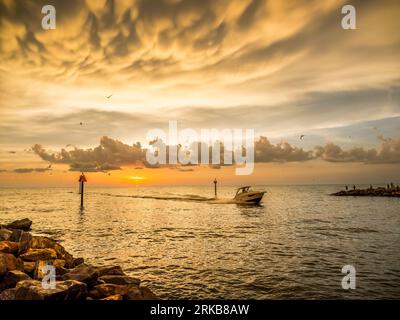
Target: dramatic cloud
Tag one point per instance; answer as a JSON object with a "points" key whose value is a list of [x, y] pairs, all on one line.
{"points": [[111, 154], [282, 152], [283, 68], [166, 53], [388, 153]]}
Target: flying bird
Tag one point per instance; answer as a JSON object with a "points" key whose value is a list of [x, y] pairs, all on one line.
{"points": [[302, 136], [108, 97], [49, 166]]}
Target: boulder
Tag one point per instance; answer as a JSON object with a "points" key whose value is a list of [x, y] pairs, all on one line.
{"points": [[83, 273], [9, 263], [77, 261], [24, 241], [121, 280], [64, 290], [29, 266], [59, 263], [39, 254], [11, 279], [102, 291], [5, 234], [9, 247], [140, 293], [76, 290], [39, 242], [113, 270], [60, 271], [16, 235], [23, 224], [8, 294], [39, 272], [114, 297]]}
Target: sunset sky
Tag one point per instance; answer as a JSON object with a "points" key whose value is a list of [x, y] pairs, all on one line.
{"points": [[282, 68]]}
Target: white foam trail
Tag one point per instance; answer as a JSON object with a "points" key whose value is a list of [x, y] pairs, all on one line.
{"points": [[190, 198]]}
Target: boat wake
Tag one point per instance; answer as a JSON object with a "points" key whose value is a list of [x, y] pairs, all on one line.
{"points": [[187, 197]]}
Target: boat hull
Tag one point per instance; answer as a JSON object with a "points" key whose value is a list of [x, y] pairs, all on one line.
{"points": [[249, 198]]}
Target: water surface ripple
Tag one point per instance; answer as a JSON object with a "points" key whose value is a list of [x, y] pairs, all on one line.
{"points": [[291, 247]]}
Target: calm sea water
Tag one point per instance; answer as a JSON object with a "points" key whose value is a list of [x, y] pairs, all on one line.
{"points": [[292, 247]]}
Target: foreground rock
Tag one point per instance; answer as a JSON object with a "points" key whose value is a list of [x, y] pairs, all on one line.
{"points": [[39, 254], [23, 224], [8, 262], [83, 273], [11, 279], [25, 260], [5, 234], [9, 247], [34, 290], [120, 280]]}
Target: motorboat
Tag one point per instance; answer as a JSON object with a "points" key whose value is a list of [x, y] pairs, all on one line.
{"points": [[244, 195]]}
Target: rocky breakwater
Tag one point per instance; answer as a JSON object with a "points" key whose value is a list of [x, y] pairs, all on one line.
{"points": [[370, 192], [24, 271]]}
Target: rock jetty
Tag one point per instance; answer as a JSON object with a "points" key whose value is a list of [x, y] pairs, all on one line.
{"points": [[389, 191], [24, 259]]}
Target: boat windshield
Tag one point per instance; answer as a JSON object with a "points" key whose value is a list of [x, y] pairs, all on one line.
{"points": [[242, 190]]}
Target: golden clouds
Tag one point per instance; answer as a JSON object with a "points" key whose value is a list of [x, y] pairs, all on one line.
{"points": [[277, 66]]}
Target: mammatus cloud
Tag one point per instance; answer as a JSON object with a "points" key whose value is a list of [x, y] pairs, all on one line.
{"points": [[111, 154], [280, 67]]}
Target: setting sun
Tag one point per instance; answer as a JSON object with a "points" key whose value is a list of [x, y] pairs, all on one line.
{"points": [[136, 178]]}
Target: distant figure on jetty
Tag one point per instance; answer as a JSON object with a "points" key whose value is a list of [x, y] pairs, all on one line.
{"points": [[347, 188], [354, 187]]}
